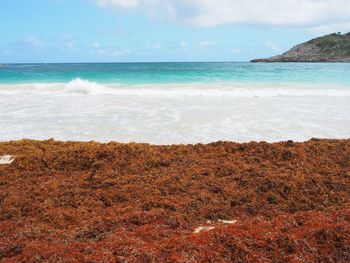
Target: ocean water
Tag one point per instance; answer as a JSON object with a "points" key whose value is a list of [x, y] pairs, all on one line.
{"points": [[171, 103]]}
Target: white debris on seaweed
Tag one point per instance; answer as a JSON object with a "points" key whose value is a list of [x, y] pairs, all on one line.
{"points": [[207, 228], [227, 221], [6, 159], [203, 228]]}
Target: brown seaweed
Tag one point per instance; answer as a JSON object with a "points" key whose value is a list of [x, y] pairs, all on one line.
{"points": [[92, 202]]}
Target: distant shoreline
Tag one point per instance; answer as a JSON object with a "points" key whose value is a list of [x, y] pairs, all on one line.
{"points": [[330, 48]]}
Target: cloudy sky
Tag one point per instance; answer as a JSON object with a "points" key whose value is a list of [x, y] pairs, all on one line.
{"points": [[161, 30]]}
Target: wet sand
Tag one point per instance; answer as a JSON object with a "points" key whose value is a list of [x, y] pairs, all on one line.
{"points": [[221, 202]]}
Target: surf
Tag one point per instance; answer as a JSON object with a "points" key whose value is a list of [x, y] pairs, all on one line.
{"points": [[83, 87]]}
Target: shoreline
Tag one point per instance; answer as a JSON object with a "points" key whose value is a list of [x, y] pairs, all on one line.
{"points": [[141, 202], [53, 140]]}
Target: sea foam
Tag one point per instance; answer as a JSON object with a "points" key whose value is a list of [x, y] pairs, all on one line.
{"points": [[81, 86], [173, 113], [84, 87]]}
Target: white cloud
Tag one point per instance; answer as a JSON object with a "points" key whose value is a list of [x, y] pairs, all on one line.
{"points": [[95, 45], [156, 46], [330, 28], [307, 13], [69, 44], [119, 3], [206, 44], [273, 46], [120, 52], [35, 42], [234, 50], [184, 46], [109, 51]]}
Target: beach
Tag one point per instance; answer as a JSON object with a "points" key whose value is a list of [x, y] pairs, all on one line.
{"points": [[175, 103], [224, 201], [151, 131], [175, 162]]}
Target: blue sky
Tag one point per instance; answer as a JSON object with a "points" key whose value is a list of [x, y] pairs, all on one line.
{"points": [[161, 30]]}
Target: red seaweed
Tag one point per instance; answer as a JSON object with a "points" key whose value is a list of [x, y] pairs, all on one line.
{"points": [[92, 202]]}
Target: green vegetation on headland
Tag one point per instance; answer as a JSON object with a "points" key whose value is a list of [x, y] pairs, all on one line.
{"points": [[330, 48]]}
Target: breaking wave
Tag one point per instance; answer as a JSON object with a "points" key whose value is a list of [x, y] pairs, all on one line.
{"points": [[85, 87]]}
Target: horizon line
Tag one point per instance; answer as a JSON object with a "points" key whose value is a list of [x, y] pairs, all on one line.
{"points": [[123, 62]]}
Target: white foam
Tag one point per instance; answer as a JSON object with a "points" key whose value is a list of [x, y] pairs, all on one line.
{"points": [[87, 87], [174, 113], [239, 90]]}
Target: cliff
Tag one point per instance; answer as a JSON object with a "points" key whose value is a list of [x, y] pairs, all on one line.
{"points": [[330, 48]]}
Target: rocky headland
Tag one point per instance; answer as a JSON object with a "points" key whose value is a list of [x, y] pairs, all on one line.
{"points": [[330, 48]]}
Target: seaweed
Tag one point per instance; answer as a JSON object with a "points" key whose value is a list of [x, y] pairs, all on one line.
{"points": [[92, 202]]}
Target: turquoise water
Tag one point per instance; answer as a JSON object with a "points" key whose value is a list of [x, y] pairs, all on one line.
{"points": [[148, 73]]}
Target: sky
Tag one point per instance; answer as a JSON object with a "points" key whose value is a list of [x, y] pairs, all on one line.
{"points": [[47, 31]]}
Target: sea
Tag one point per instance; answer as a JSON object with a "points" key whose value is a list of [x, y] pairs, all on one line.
{"points": [[175, 103]]}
